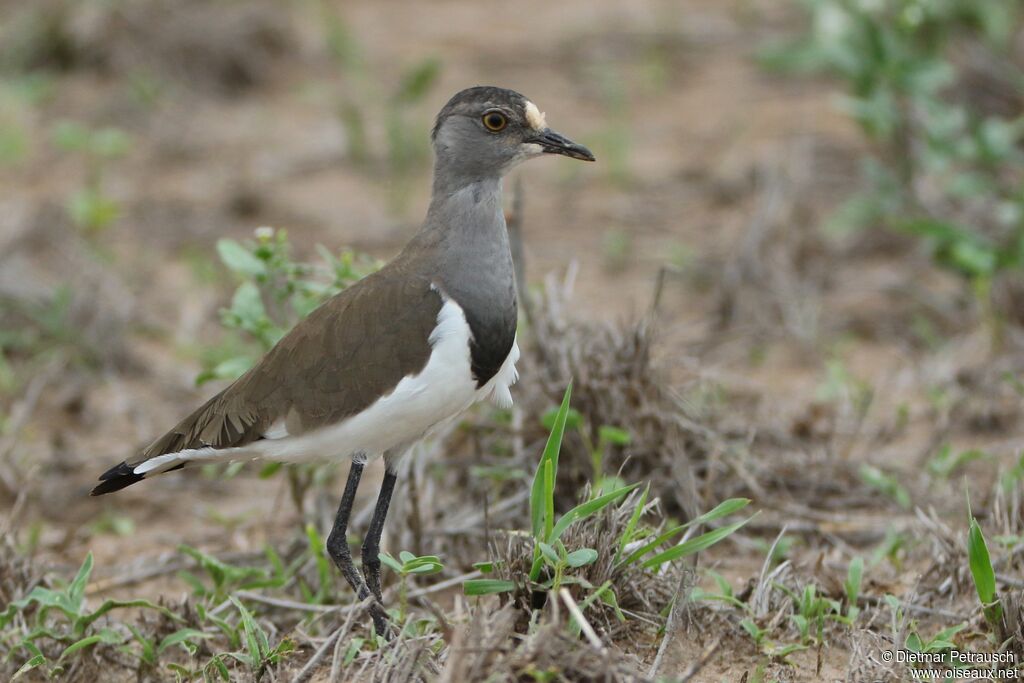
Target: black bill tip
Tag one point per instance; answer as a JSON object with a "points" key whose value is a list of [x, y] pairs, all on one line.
{"points": [[556, 143]]}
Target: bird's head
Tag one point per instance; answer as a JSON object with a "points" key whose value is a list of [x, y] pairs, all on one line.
{"points": [[485, 131]]}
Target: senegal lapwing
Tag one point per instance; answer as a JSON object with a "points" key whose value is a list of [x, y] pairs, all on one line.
{"points": [[378, 366]]}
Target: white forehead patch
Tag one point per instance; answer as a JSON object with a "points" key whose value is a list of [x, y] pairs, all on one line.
{"points": [[535, 117]]}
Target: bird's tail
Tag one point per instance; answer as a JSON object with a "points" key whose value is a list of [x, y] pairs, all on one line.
{"points": [[217, 431]]}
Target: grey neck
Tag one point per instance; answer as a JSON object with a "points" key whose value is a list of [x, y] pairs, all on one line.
{"points": [[467, 216], [465, 240]]}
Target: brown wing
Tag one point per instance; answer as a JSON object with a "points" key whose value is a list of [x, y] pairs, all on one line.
{"points": [[350, 351]]}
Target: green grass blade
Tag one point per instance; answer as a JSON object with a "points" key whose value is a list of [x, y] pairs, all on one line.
{"points": [[183, 637], [487, 586], [981, 564], [854, 579], [694, 545], [549, 497], [627, 534], [109, 605], [584, 510], [37, 660], [652, 544], [723, 509], [538, 504], [76, 591], [251, 629], [984, 577]]}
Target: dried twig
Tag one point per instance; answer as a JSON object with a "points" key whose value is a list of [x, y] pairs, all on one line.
{"points": [[577, 614], [672, 624]]}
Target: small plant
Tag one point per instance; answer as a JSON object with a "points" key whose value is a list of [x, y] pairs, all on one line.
{"points": [[224, 578], [810, 610], [854, 577], [939, 644], [886, 484], [553, 565], [406, 566], [892, 548], [274, 293], [258, 653], [946, 461], [984, 579], [61, 617]]}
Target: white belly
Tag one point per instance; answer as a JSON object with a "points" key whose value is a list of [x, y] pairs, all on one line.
{"points": [[442, 390]]}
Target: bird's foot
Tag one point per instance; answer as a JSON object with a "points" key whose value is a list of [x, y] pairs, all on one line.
{"points": [[382, 625]]}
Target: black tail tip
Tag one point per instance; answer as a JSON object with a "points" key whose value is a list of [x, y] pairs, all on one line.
{"points": [[117, 478]]}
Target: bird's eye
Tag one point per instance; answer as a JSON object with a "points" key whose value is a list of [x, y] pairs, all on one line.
{"points": [[495, 121]]}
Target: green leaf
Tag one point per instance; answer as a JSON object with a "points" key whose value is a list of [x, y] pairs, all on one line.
{"points": [[32, 663], [753, 629], [425, 564], [854, 576], [726, 507], [548, 468], [484, 567], [324, 571], [549, 554], [183, 637], [653, 543], [247, 304], [981, 565], [723, 509], [614, 435], [885, 483], [584, 510], [581, 557], [390, 562], [255, 639], [107, 636], [487, 586], [222, 668], [239, 259], [694, 545], [405, 556], [609, 598], [76, 590], [109, 605], [269, 470], [627, 535]]}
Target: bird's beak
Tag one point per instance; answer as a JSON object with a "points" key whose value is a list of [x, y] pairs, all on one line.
{"points": [[555, 143]]}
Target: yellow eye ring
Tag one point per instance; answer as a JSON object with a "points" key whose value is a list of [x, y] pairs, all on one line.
{"points": [[495, 121]]}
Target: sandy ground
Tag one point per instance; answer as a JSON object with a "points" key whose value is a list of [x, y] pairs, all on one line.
{"points": [[708, 167]]}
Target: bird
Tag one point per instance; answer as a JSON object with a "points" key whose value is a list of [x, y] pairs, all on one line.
{"points": [[394, 356]]}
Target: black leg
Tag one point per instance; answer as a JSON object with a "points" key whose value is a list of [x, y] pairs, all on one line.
{"points": [[337, 547], [371, 544]]}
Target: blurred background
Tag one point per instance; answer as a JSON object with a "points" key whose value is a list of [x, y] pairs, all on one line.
{"points": [[806, 222]]}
